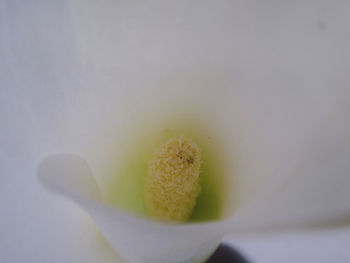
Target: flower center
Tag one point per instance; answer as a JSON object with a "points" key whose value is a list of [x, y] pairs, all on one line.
{"points": [[172, 184]]}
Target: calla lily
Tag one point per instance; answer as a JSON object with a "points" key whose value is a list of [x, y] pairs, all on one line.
{"points": [[81, 79]]}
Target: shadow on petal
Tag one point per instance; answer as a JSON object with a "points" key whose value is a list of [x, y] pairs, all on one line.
{"points": [[226, 254]]}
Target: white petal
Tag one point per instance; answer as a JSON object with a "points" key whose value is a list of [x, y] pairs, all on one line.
{"points": [[273, 75], [36, 226], [136, 239]]}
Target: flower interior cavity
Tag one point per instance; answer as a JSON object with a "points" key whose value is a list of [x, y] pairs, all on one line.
{"points": [[172, 184], [172, 170]]}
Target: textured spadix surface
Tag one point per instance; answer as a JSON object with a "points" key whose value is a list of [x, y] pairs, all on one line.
{"points": [[273, 76], [172, 184]]}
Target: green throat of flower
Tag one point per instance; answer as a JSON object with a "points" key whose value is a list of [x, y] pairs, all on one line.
{"points": [[172, 184], [172, 171]]}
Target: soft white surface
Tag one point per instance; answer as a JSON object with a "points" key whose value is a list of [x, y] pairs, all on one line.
{"points": [[135, 239], [282, 68]]}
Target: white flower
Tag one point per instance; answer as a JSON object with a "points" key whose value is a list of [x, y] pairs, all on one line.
{"points": [[75, 74]]}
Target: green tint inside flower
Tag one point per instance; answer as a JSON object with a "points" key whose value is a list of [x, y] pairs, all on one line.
{"points": [[126, 189]]}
